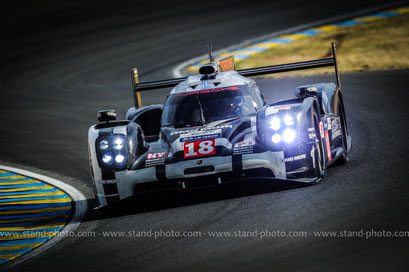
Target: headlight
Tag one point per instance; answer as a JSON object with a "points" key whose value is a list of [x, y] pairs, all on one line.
{"points": [[289, 135], [113, 151], [103, 145], [119, 159], [276, 138], [281, 129], [275, 123], [118, 144], [107, 159], [288, 120]]}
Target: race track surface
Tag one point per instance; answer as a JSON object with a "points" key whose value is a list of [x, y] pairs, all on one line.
{"points": [[61, 63]]}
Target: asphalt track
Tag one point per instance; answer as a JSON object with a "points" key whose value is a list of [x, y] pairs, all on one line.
{"points": [[61, 63]]}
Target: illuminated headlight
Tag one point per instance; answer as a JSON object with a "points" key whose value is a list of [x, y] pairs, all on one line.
{"points": [[288, 120], [118, 144], [103, 145], [119, 158], [113, 151], [276, 138], [275, 123], [289, 135], [107, 159]]}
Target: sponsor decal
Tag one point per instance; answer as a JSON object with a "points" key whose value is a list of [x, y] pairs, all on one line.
{"points": [[245, 147], [216, 127], [245, 143], [108, 181], [200, 129], [329, 123], [275, 109], [199, 148], [328, 146], [336, 129], [153, 159], [311, 133], [282, 108], [295, 158], [182, 131], [200, 137], [321, 130], [215, 90], [156, 155]]}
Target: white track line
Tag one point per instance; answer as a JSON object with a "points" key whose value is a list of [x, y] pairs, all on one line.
{"points": [[80, 207]]}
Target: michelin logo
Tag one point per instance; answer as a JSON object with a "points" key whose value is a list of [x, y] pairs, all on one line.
{"points": [[295, 158]]}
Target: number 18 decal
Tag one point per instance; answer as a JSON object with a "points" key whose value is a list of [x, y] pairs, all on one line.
{"points": [[199, 148]]}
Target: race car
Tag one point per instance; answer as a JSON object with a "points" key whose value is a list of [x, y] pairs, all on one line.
{"points": [[217, 127]]}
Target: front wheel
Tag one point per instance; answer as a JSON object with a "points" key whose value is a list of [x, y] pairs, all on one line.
{"points": [[318, 151], [344, 158]]}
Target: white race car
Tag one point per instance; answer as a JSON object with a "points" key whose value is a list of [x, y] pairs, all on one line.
{"points": [[217, 127]]}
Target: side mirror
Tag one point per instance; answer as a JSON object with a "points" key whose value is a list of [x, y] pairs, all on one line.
{"points": [[106, 115]]}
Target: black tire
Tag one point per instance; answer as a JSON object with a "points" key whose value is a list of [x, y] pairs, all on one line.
{"points": [[91, 170], [319, 160], [344, 130]]}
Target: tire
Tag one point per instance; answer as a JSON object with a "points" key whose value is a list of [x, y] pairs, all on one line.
{"points": [[319, 160], [91, 170], [344, 130]]}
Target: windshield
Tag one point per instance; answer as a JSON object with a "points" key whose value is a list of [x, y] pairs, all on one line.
{"points": [[200, 107]]}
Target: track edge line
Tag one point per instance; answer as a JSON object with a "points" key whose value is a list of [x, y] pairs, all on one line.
{"points": [[79, 204]]}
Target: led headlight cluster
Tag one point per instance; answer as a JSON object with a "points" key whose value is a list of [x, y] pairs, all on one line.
{"points": [[113, 151], [283, 128]]}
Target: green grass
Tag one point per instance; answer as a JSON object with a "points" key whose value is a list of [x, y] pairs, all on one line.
{"points": [[376, 45]]}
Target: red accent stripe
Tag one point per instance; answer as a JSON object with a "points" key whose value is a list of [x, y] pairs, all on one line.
{"points": [[328, 145]]}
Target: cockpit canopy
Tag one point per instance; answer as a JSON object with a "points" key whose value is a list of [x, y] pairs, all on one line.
{"points": [[200, 107]]}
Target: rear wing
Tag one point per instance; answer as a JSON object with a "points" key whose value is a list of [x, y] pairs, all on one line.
{"points": [[229, 64]]}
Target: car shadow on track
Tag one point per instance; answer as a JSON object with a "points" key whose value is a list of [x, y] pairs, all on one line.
{"points": [[173, 198]]}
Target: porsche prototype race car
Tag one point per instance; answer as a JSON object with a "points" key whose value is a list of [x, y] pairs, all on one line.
{"points": [[217, 127]]}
